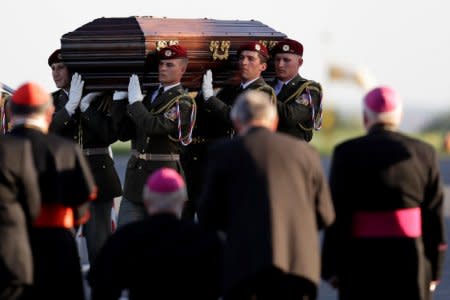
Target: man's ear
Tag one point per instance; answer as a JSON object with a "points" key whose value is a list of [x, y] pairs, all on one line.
{"points": [[263, 67]]}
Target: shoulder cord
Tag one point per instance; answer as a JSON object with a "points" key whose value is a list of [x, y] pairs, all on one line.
{"points": [[266, 88], [308, 86], [3, 116], [186, 140]]}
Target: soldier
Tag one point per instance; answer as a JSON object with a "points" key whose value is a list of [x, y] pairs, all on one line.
{"points": [[158, 125], [88, 122], [213, 120], [299, 99], [66, 187]]}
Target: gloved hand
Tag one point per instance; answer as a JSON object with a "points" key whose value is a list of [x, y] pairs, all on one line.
{"points": [[134, 90], [75, 92], [119, 95], [207, 88], [86, 100]]}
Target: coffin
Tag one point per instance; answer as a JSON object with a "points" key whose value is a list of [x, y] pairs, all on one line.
{"points": [[107, 51]]}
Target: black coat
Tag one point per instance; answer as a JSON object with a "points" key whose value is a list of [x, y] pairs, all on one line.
{"points": [[64, 178], [268, 193], [93, 128], [159, 257], [19, 206], [385, 171]]}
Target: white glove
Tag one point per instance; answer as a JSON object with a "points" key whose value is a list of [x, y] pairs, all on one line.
{"points": [[207, 88], [119, 95], [134, 90], [75, 92], [86, 100]]}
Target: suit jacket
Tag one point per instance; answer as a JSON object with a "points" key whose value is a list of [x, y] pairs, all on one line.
{"points": [[93, 128], [385, 171], [269, 194], [159, 257], [19, 206], [152, 128], [294, 112]]}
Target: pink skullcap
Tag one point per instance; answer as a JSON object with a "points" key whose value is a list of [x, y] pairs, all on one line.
{"points": [[382, 99], [165, 180]]}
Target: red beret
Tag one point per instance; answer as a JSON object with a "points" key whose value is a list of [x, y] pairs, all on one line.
{"points": [[29, 97], [254, 46], [382, 99], [55, 57], [288, 46], [171, 52]]}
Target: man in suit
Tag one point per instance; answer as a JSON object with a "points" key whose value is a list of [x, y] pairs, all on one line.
{"points": [[19, 207], [299, 99], [388, 241], [158, 125], [268, 193], [213, 120], [66, 188], [161, 256], [87, 120]]}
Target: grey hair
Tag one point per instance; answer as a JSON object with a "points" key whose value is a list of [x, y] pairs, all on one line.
{"points": [[393, 117], [253, 105]]}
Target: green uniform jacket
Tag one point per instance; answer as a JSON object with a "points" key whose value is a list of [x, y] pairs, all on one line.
{"points": [[296, 114], [152, 128]]}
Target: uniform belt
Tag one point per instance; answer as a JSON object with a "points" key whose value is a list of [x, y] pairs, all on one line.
{"points": [[199, 140], [152, 156], [406, 222], [55, 216], [96, 151]]}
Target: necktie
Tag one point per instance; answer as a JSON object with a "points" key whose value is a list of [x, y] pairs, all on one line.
{"points": [[279, 87], [158, 93]]}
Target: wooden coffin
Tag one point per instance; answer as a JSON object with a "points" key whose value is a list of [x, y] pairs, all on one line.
{"points": [[107, 51]]}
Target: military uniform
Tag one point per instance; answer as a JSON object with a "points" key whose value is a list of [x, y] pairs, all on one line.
{"points": [[299, 107], [213, 122], [94, 131], [157, 131], [299, 100]]}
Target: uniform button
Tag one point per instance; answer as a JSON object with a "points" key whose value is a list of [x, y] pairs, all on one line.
{"points": [[140, 167], [195, 158], [103, 166]]}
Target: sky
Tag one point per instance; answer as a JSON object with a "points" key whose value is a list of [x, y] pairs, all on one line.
{"points": [[401, 43]]}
